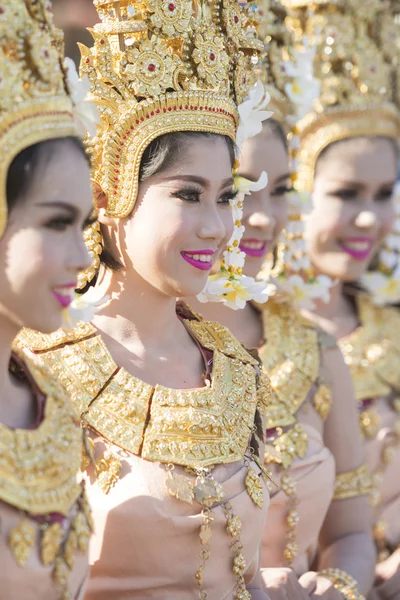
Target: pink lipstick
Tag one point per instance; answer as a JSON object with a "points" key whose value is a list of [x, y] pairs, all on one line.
{"points": [[358, 248], [200, 259], [64, 294], [253, 247]]}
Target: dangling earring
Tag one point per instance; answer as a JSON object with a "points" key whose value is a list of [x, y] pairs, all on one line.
{"points": [[92, 237]]}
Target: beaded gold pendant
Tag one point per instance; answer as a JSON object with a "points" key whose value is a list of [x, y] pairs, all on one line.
{"points": [[21, 541], [254, 487], [179, 486]]}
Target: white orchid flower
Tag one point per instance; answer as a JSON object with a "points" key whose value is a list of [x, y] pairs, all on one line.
{"points": [[388, 258], [85, 112], [252, 113], [246, 187], [82, 309]]}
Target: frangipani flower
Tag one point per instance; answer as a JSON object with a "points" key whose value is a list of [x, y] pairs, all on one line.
{"points": [[384, 289], [85, 112]]}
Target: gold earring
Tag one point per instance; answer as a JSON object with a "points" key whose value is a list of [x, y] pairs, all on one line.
{"points": [[92, 237]]}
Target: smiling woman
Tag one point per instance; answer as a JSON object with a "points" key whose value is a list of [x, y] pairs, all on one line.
{"points": [[45, 203], [173, 404]]}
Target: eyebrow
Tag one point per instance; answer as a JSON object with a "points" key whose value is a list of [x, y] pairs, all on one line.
{"points": [[196, 179], [63, 205], [280, 179], [360, 184]]}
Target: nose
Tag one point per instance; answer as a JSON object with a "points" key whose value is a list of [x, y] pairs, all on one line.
{"points": [[79, 257], [367, 219], [261, 220], [212, 225]]}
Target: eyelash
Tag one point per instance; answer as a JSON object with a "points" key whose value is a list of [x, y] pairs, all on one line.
{"points": [[281, 191], [62, 223], [193, 195], [352, 195]]}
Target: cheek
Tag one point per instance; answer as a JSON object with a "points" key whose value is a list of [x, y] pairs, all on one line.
{"points": [[327, 220], [25, 260], [227, 220]]}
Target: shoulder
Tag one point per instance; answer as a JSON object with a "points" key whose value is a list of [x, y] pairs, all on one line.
{"points": [[217, 337]]}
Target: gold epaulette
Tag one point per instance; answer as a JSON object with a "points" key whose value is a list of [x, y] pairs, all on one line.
{"points": [[372, 352], [214, 336], [42, 342]]}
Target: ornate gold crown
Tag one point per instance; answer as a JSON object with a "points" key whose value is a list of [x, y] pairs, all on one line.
{"points": [[357, 64], [277, 42], [34, 98], [160, 66]]}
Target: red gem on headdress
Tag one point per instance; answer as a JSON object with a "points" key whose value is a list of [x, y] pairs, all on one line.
{"points": [[1, 10], [171, 7], [212, 56], [102, 42], [46, 53], [151, 67], [236, 19], [87, 61]]}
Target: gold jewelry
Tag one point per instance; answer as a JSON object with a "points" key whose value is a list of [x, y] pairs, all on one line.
{"points": [[35, 101], [353, 483], [291, 358], [93, 241], [356, 66], [343, 582], [196, 429], [39, 482], [157, 68]]}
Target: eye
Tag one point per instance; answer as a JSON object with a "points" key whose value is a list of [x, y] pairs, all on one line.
{"points": [[188, 194], [227, 197], [385, 194], [344, 194], [59, 223], [282, 190]]}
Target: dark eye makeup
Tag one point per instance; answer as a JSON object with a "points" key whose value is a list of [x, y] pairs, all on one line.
{"points": [[192, 194]]}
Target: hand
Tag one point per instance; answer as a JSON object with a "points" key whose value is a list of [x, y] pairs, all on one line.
{"points": [[387, 568], [282, 584], [389, 589], [319, 587]]}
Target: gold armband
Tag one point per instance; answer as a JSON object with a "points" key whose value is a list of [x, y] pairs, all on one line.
{"points": [[352, 484], [344, 583]]}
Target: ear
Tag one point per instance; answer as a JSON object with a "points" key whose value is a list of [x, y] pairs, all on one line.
{"points": [[100, 197]]}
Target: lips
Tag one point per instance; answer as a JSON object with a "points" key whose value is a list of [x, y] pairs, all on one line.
{"points": [[200, 259], [358, 248], [253, 247], [65, 294]]}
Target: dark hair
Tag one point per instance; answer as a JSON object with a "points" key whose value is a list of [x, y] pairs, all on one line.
{"points": [[159, 155], [26, 165]]}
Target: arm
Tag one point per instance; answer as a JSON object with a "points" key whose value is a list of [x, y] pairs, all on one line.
{"points": [[346, 540]]}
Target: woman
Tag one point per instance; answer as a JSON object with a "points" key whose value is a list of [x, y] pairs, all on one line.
{"points": [[312, 435], [350, 165], [174, 405], [45, 203]]}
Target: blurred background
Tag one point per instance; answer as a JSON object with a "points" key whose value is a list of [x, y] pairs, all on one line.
{"points": [[73, 16]]}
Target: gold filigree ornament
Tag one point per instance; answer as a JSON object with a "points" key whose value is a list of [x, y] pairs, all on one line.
{"points": [[356, 72], [21, 541], [37, 102]]}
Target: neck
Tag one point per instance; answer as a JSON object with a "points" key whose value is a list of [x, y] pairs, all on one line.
{"points": [[137, 314], [8, 331], [331, 308]]}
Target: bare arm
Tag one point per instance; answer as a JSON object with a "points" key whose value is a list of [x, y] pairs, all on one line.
{"points": [[346, 540]]}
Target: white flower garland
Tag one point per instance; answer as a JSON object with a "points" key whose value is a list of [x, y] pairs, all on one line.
{"points": [[296, 282], [384, 283], [230, 286]]}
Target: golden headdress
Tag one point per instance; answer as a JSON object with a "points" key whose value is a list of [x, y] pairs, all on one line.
{"points": [[357, 64], [35, 101], [161, 66]]}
